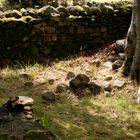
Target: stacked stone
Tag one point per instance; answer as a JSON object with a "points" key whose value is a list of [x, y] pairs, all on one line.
{"points": [[21, 104], [27, 103]]}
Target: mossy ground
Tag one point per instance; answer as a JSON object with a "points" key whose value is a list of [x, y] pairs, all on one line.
{"points": [[103, 117]]}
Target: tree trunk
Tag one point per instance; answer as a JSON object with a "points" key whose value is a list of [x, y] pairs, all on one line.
{"points": [[132, 46], [131, 65]]}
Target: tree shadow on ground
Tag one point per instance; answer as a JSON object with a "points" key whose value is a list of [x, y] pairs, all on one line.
{"points": [[84, 119]]}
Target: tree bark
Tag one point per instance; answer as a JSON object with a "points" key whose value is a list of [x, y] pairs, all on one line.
{"points": [[131, 65], [132, 47]]}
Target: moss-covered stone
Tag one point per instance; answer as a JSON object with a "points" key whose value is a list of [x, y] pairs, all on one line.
{"points": [[61, 31]]}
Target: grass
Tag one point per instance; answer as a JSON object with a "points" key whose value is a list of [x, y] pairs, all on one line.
{"points": [[103, 117], [95, 118]]}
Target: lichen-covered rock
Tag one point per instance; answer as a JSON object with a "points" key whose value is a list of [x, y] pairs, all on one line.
{"points": [[47, 10], [87, 9], [96, 11], [62, 10], [72, 10], [13, 13], [80, 10], [79, 81], [106, 9], [32, 12], [24, 12]]}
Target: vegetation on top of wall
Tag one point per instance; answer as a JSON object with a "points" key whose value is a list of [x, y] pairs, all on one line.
{"points": [[48, 31]]}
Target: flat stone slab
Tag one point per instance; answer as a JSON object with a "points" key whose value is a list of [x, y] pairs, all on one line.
{"points": [[118, 84], [24, 100]]}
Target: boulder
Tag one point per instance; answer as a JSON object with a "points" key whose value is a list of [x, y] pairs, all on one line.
{"points": [[48, 96], [62, 88], [47, 10], [94, 88], [79, 81]]}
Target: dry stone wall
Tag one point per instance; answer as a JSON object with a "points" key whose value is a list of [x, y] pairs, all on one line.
{"points": [[42, 32]]}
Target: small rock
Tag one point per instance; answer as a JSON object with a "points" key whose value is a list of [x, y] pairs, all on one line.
{"points": [[120, 44], [108, 78], [47, 95], [25, 75], [62, 88], [51, 81], [28, 108], [118, 84], [28, 112], [94, 88], [28, 116], [122, 56], [108, 64], [97, 63], [79, 81], [70, 75], [117, 64], [108, 94]]}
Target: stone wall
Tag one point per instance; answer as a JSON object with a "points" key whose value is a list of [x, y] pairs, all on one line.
{"points": [[48, 31]]}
